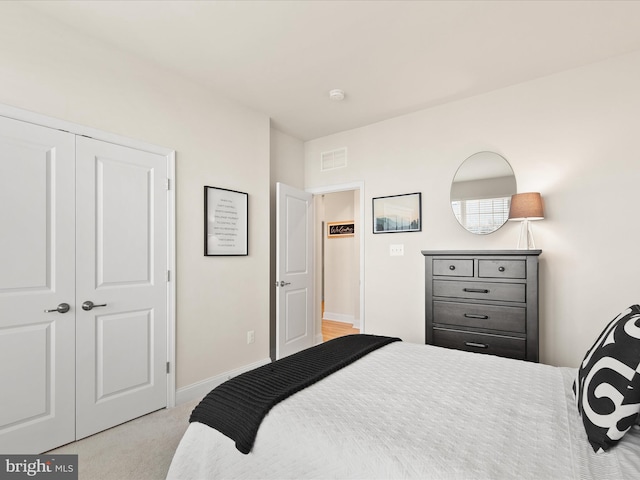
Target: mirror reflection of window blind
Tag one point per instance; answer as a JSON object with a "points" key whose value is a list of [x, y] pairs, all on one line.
{"points": [[483, 215]]}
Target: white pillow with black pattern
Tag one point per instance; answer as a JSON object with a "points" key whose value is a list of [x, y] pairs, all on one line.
{"points": [[607, 385]]}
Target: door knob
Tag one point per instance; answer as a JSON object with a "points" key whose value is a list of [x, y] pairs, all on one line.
{"points": [[62, 308], [283, 283], [89, 305]]}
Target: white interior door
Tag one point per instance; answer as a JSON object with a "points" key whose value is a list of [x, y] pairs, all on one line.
{"points": [[121, 236], [37, 273], [294, 270]]}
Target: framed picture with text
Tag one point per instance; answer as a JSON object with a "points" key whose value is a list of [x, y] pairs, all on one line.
{"points": [[397, 213], [226, 228], [341, 229]]}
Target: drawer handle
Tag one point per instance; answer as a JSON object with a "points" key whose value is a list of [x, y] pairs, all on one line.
{"points": [[452, 267], [473, 315], [475, 290], [476, 345], [501, 269]]}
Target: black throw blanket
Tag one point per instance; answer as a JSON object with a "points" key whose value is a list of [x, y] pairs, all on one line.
{"points": [[236, 408]]}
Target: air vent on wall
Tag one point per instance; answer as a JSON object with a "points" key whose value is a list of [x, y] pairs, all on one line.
{"points": [[333, 159]]}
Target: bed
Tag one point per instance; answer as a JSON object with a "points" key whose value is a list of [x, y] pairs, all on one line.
{"points": [[407, 410]]}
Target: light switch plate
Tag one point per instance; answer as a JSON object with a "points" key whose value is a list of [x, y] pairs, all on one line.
{"points": [[396, 250]]}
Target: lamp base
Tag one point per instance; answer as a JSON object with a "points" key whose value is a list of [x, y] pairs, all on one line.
{"points": [[525, 240]]}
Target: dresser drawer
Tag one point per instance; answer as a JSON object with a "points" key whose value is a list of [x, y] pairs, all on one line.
{"points": [[509, 292], [481, 343], [495, 268], [453, 267], [509, 319]]}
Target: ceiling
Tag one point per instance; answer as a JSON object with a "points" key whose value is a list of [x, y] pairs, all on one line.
{"points": [[390, 57]]}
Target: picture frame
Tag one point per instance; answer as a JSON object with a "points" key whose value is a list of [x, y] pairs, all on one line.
{"points": [[341, 229], [226, 225], [397, 213]]}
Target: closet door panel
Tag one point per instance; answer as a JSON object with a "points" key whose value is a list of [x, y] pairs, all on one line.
{"points": [[124, 204], [37, 273], [121, 236]]}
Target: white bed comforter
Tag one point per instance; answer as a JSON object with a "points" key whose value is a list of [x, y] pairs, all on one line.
{"points": [[413, 411]]}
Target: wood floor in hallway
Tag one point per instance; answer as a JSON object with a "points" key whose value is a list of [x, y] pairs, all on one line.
{"points": [[331, 329]]}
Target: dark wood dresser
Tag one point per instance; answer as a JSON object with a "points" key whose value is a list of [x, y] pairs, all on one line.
{"points": [[483, 301]]}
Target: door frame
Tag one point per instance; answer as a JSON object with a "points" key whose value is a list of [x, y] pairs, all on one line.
{"points": [[359, 185], [58, 124]]}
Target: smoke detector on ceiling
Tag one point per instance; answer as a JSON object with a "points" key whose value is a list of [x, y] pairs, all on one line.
{"points": [[336, 95]]}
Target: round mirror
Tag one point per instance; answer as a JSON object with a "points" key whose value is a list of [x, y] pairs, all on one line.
{"points": [[481, 192]]}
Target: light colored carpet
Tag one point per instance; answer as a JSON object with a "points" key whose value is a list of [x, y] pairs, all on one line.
{"points": [[141, 449]]}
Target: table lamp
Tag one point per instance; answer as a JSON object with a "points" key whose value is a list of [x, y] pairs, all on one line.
{"points": [[526, 207]]}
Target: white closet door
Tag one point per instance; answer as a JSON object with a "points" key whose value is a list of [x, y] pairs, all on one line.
{"points": [[37, 270], [121, 233]]}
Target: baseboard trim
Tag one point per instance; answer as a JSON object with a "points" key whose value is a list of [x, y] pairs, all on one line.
{"points": [[338, 317], [198, 390]]}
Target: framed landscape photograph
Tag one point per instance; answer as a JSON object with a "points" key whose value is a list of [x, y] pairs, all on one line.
{"points": [[397, 213], [226, 230]]}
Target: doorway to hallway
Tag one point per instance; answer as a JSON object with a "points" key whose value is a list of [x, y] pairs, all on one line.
{"points": [[339, 259]]}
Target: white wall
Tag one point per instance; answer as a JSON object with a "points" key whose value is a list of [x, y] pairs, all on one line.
{"points": [[287, 160], [49, 69], [571, 136]]}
